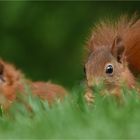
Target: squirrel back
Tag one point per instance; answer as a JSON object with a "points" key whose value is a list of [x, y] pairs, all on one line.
{"points": [[13, 84], [114, 53]]}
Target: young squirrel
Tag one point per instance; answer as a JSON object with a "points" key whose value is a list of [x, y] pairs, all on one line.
{"points": [[13, 82], [114, 55]]}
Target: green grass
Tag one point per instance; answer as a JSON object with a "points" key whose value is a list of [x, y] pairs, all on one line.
{"points": [[74, 119]]}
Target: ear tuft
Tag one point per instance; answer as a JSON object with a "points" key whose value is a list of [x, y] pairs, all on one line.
{"points": [[117, 49]]}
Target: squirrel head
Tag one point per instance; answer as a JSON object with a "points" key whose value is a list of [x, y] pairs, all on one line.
{"points": [[9, 75], [108, 64], [9, 82], [2, 79]]}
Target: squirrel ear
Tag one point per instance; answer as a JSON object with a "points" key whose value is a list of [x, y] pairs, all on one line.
{"points": [[117, 49]]}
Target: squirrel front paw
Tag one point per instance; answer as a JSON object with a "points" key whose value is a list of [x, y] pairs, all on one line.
{"points": [[89, 97]]}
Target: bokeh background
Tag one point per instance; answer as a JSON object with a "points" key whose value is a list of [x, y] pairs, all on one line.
{"points": [[46, 39]]}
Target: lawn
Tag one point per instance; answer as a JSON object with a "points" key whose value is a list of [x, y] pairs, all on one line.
{"points": [[73, 118]]}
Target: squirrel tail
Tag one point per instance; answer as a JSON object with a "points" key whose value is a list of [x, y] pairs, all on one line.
{"points": [[132, 44]]}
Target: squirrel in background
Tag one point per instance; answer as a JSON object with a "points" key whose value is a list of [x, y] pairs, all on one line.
{"points": [[13, 82], [114, 55]]}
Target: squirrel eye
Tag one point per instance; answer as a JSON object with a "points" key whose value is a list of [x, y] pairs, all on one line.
{"points": [[84, 70], [109, 69]]}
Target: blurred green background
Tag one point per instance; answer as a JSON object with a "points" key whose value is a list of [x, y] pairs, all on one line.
{"points": [[46, 39]]}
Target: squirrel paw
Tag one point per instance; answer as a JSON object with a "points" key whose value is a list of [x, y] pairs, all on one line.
{"points": [[89, 97]]}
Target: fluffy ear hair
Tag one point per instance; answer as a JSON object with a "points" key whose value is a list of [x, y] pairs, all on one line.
{"points": [[117, 49], [90, 44]]}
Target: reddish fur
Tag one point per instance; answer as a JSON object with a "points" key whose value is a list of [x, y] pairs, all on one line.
{"points": [[105, 32], [13, 85], [132, 41], [100, 51], [48, 91], [128, 29]]}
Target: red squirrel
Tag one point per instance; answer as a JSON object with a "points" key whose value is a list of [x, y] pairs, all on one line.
{"points": [[13, 82], [114, 55]]}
